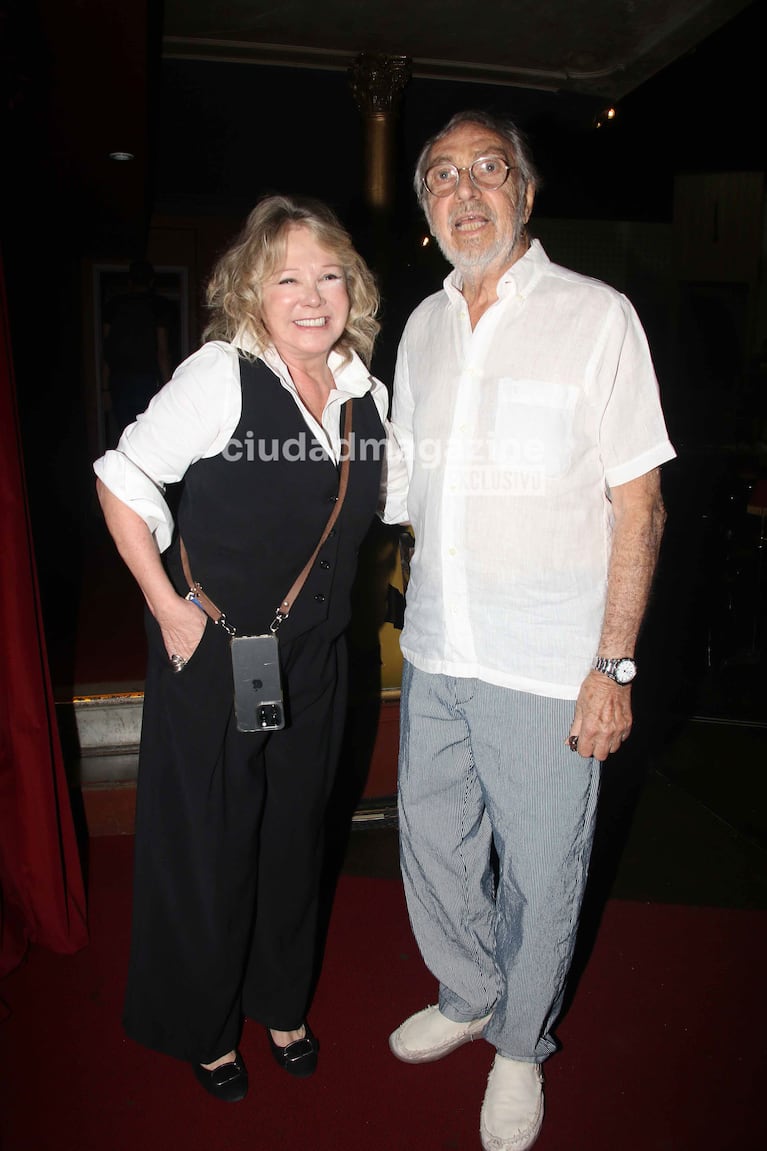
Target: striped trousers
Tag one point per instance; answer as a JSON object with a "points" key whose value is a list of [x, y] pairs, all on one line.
{"points": [[482, 768]]}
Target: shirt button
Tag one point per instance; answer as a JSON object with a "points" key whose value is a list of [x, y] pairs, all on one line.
{"points": [[319, 598], [451, 551], [324, 565]]}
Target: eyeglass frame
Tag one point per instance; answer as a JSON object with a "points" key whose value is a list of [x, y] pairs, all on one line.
{"points": [[468, 168]]}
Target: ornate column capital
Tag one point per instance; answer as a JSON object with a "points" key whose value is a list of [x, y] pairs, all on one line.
{"points": [[377, 81]]}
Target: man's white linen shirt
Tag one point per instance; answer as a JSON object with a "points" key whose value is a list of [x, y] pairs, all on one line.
{"points": [[194, 415], [514, 433]]}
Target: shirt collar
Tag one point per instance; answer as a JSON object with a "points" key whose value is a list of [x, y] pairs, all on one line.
{"points": [[351, 377], [517, 280]]}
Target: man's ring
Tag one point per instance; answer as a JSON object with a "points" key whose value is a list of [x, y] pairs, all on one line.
{"points": [[177, 662], [572, 743]]}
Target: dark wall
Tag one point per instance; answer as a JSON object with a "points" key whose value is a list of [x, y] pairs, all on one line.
{"points": [[228, 133]]}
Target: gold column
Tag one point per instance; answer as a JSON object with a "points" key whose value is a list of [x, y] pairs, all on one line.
{"points": [[377, 81]]}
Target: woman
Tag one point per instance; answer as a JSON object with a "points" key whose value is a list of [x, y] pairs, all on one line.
{"points": [[229, 822]]}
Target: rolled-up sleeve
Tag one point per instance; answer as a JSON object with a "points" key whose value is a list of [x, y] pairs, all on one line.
{"points": [[134, 488]]}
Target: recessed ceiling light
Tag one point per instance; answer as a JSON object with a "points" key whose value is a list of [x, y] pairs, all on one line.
{"points": [[121, 156]]}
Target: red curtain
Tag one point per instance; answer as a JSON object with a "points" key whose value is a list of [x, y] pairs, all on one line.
{"points": [[42, 897]]}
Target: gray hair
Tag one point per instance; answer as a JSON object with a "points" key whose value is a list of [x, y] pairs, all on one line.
{"points": [[526, 174]]}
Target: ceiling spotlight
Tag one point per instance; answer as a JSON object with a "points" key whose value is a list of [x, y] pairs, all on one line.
{"points": [[605, 116], [121, 156]]}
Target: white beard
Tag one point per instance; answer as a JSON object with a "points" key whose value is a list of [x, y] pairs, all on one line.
{"points": [[469, 263]]}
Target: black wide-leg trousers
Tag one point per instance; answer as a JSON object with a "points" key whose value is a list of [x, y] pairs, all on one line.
{"points": [[228, 848]]}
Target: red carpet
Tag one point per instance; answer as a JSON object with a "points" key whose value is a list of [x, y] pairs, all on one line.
{"points": [[662, 1048]]}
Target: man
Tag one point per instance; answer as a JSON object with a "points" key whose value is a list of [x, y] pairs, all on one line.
{"points": [[527, 407]]}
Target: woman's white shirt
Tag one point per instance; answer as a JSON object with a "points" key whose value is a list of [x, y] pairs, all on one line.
{"points": [[194, 415]]}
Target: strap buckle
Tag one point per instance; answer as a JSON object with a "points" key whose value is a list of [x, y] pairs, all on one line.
{"points": [[227, 627], [279, 618]]}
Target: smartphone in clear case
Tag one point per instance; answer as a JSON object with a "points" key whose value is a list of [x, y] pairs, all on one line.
{"points": [[258, 701]]}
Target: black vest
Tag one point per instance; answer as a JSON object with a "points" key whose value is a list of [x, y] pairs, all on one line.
{"points": [[251, 516]]}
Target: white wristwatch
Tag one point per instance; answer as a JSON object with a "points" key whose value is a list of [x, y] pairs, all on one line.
{"points": [[622, 670]]}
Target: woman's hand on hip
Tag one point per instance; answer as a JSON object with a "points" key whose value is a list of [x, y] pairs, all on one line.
{"points": [[182, 625]]}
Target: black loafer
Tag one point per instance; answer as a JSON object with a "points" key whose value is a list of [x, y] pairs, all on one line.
{"points": [[299, 1058], [229, 1082]]}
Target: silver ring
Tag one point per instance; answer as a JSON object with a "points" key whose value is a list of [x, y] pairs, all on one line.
{"points": [[572, 743], [177, 662]]}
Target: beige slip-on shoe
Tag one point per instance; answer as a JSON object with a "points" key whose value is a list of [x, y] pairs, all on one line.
{"points": [[428, 1035], [512, 1111]]}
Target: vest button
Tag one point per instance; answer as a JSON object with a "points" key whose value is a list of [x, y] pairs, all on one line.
{"points": [[324, 565], [319, 598], [331, 533]]}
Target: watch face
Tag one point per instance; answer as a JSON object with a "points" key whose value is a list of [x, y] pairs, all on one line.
{"points": [[625, 670]]}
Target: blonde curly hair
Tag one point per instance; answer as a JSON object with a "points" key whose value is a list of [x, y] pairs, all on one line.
{"points": [[234, 291]]}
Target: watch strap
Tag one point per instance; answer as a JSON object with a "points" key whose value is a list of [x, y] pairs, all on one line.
{"points": [[608, 666]]}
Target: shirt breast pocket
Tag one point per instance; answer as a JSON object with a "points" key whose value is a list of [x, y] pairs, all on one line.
{"points": [[534, 425]]}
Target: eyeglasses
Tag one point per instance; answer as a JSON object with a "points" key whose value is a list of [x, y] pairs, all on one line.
{"points": [[487, 172]]}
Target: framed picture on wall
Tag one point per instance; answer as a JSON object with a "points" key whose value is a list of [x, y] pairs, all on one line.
{"points": [[139, 334]]}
